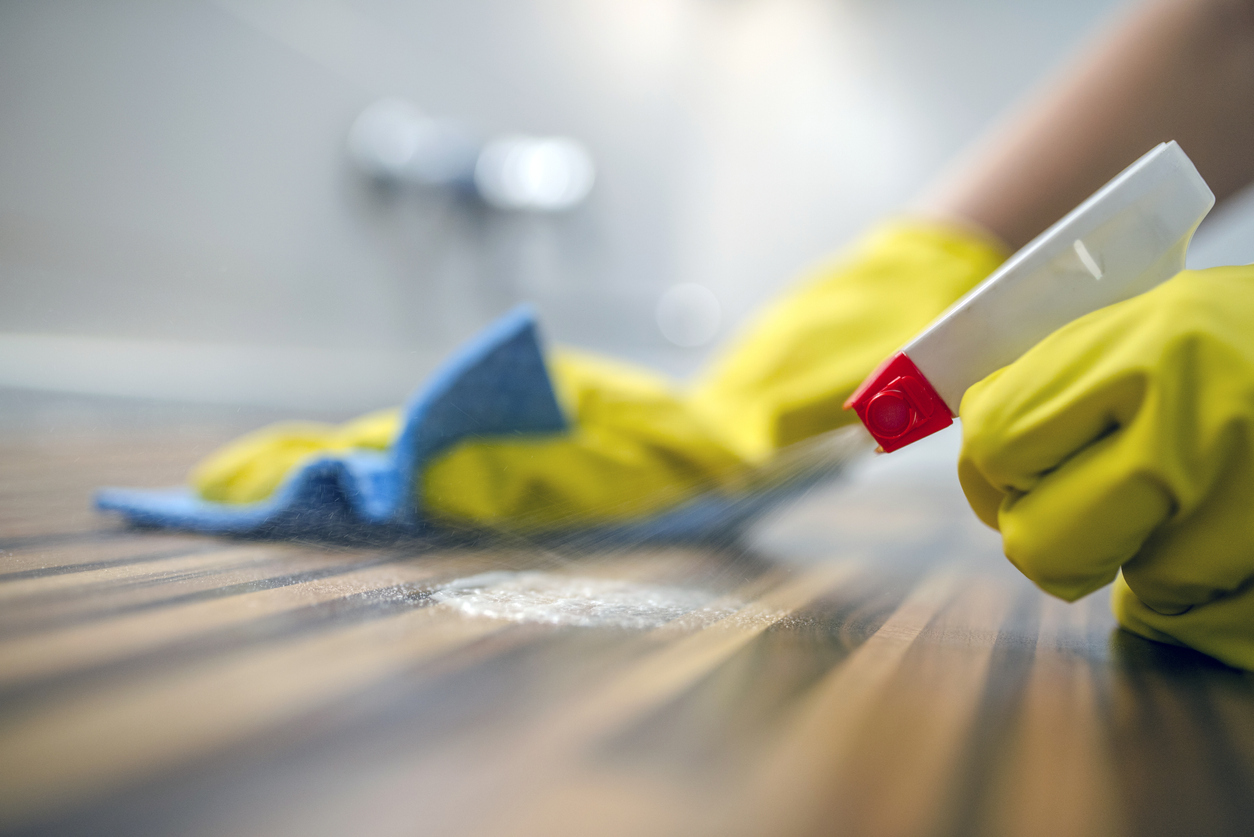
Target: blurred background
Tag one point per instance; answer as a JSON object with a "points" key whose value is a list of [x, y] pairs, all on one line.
{"points": [[180, 216]]}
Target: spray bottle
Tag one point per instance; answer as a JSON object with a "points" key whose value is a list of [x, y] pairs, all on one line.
{"points": [[1129, 236]]}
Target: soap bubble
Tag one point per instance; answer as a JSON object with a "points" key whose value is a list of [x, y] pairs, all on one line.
{"points": [[688, 315]]}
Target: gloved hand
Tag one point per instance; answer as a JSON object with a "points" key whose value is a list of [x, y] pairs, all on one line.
{"points": [[788, 376], [639, 445], [634, 448], [1125, 440]]}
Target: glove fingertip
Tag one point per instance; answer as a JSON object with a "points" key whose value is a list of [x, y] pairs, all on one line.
{"points": [[984, 498], [1132, 614]]}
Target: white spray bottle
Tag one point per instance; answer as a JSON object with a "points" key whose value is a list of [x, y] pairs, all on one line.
{"points": [[1129, 236]]}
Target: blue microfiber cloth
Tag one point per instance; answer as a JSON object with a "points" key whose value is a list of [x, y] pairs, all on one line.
{"points": [[495, 385]]}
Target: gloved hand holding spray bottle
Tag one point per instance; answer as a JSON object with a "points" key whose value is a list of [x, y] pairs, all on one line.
{"points": [[1107, 398]]}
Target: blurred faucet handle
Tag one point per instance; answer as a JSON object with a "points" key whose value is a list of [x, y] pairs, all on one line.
{"points": [[395, 142]]}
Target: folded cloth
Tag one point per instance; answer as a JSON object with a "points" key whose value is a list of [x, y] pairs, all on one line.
{"points": [[497, 385]]}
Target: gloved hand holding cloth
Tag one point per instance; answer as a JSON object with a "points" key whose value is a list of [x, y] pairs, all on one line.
{"points": [[637, 444]]}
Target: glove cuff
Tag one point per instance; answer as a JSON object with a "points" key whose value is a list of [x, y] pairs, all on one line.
{"points": [[787, 377]]}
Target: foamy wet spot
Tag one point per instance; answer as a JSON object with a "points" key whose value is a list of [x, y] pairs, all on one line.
{"points": [[584, 602]]}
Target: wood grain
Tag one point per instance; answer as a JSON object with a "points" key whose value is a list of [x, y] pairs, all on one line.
{"points": [[867, 664]]}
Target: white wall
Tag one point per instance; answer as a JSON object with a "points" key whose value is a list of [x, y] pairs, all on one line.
{"points": [[177, 217]]}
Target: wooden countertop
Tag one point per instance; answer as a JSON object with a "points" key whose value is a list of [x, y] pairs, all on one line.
{"points": [[867, 664]]}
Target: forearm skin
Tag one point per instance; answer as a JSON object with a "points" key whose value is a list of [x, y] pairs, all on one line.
{"points": [[1180, 69]]}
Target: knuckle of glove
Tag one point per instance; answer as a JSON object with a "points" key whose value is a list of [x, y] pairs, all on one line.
{"points": [[989, 466], [1071, 534]]}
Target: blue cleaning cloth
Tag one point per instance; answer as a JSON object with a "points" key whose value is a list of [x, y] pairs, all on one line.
{"points": [[495, 385]]}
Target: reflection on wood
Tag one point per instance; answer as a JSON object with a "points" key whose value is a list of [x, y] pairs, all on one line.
{"points": [[850, 679]]}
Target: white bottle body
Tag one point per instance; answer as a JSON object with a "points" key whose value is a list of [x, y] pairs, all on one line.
{"points": [[1129, 236]]}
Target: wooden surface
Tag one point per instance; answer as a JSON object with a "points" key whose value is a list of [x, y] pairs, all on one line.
{"points": [[866, 664]]}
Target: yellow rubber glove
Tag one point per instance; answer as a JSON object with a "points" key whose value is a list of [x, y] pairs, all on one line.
{"points": [[787, 378], [1125, 440], [634, 448], [639, 445]]}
